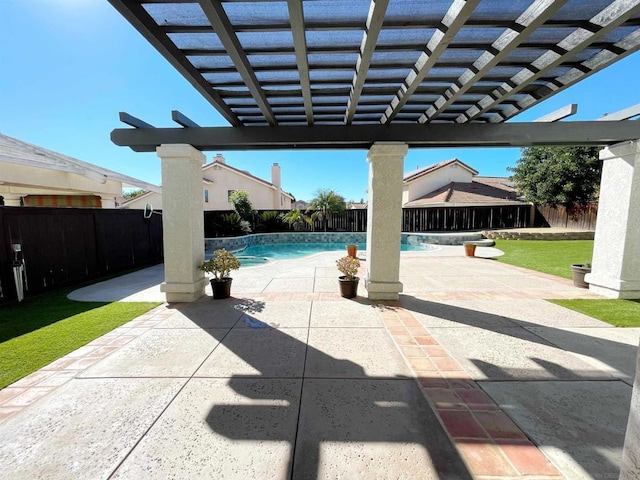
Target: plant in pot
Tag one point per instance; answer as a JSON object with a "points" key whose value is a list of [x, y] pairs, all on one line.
{"points": [[221, 265], [579, 270], [348, 266]]}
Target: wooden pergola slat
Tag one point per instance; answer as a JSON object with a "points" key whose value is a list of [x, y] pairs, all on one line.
{"points": [[532, 18]]}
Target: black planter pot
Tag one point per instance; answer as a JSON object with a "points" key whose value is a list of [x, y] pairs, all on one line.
{"points": [[348, 288], [221, 288], [579, 271]]}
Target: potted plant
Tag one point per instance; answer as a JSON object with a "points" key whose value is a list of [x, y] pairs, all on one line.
{"points": [[348, 266], [221, 265], [579, 271]]}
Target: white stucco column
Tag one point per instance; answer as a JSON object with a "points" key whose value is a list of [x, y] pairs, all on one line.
{"points": [[108, 202], [616, 252], [11, 199], [182, 222], [630, 467], [384, 220]]}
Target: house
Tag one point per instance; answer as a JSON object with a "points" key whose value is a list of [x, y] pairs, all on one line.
{"points": [[299, 205], [356, 206], [455, 184], [36, 177], [220, 180]]}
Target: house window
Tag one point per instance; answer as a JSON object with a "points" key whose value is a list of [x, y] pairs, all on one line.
{"points": [[229, 193], [281, 200], [206, 196]]}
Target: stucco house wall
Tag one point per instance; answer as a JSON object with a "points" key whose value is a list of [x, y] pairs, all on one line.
{"points": [[452, 171], [219, 179], [29, 174]]}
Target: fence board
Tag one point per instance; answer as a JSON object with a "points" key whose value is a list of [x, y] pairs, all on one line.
{"points": [[578, 218], [439, 219], [63, 246]]}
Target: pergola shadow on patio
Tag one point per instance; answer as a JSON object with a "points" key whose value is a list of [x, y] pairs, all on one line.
{"points": [[387, 75], [456, 379]]}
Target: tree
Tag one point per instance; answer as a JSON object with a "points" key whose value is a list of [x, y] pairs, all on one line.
{"points": [[296, 219], [242, 205], [325, 204], [558, 175], [132, 194]]}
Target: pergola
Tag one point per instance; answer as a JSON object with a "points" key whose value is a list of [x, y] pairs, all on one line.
{"points": [[388, 75]]}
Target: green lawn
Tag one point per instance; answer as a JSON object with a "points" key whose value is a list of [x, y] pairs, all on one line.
{"points": [[620, 313], [45, 327], [555, 258]]}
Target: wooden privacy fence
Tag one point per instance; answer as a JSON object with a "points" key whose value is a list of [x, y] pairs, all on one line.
{"points": [[440, 219], [67, 245], [450, 219], [582, 217]]}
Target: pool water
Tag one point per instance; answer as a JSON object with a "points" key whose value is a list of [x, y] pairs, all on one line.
{"points": [[281, 251], [251, 261]]}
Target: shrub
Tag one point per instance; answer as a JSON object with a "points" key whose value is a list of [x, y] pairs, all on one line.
{"points": [[348, 266]]}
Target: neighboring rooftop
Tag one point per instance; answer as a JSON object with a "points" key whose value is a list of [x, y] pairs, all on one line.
{"points": [[481, 191], [415, 174], [19, 152]]}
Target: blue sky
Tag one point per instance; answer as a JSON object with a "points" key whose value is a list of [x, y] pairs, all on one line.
{"points": [[69, 66]]}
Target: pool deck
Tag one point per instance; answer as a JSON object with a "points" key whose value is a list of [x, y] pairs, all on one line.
{"points": [[471, 374]]}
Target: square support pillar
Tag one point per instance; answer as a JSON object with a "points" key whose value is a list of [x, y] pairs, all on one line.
{"points": [[615, 269], [182, 222], [630, 467], [12, 199], [384, 220]]}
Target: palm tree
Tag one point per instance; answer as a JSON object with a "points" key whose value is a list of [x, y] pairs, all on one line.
{"points": [[296, 219], [325, 204]]}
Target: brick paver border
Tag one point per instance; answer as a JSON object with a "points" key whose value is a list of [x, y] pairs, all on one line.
{"points": [[489, 442]]}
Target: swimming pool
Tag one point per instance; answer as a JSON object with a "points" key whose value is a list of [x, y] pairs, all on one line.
{"points": [[281, 251]]}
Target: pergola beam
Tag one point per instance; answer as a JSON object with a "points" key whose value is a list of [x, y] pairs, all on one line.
{"points": [[439, 135], [608, 19], [559, 114], [531, 19], [183, 120], [375, 19], [222, 26], [137, 16], [452, 22], [358, 25], [629, 45], [296, 17], [341, 49], [624, 114], [135, 122]]}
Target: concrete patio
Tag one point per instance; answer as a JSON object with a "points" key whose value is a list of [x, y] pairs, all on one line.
{"points": [[471, 374]]}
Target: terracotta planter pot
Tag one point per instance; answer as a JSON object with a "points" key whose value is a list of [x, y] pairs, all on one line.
{"points": [[221, 288], [352, 250], [348, 288], [469, 250], [579, 271]]}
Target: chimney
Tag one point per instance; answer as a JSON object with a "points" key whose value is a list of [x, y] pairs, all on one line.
{"points": [[275, 175], [219, 158]]}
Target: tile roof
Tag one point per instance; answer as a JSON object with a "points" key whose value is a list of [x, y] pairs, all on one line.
{"points": [[482, 190]]}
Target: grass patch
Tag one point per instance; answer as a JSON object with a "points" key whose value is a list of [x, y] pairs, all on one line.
{"points": [[620, 313], [555, 257], [45, 327], [548, 256]]}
